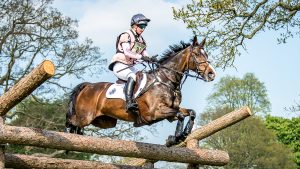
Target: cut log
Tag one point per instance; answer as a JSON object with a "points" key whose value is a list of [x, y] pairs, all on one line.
{"points": [[209, 129], [29, 162], [107, 146], [26, 86], [217, 125]]}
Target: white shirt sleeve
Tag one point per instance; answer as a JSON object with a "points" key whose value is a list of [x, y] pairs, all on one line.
{"points": [[129, 53]]}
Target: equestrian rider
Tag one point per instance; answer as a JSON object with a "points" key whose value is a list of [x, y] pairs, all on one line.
{"points": [[130, 46]]}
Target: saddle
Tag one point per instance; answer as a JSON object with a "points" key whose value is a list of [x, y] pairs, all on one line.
{"points": [[116, 90]]}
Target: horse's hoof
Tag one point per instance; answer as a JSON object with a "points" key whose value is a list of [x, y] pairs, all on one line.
{"points": [[171, 141], [67, 130]]}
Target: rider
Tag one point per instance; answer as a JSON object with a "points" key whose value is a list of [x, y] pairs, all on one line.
{"points": [[130, 46]]}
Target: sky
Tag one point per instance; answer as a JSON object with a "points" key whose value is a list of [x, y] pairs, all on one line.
{"points": [[276, 65]]}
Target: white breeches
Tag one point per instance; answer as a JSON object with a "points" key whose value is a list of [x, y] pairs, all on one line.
{"points": [[125, 73]]}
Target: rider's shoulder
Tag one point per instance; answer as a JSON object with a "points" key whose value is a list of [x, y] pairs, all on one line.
{"points": [[125, 36]]}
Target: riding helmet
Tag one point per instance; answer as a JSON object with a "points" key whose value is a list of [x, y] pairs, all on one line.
{"points": [[139, 19]]}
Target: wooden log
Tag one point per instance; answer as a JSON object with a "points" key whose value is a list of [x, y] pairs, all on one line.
{"points": [[107, 146], [29, 162], [209, 129], [26, 86], [192, 144], [218, 124], [2, 159]]}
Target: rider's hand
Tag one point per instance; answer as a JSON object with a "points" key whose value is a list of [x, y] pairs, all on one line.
{"points": [[149, 59]]}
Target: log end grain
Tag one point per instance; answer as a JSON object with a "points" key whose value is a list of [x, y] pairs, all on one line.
{"points": [[48, 67]]}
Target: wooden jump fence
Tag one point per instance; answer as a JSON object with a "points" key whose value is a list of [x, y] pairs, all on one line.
{"points": [[144, 154]]}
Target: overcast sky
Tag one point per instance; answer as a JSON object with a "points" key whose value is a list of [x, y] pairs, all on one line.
{"points": [[278, 66]]}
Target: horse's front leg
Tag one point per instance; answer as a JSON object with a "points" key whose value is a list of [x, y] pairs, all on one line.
{"points": [[181, 134], [189, 126]]}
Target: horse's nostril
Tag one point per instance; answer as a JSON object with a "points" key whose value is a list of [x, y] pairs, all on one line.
{"points": [[211, 75]]}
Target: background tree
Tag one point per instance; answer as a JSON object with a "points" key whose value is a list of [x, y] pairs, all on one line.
{"points": [[229, 23], [31, 31], [249, 143], [287, 132], [234, 93]]}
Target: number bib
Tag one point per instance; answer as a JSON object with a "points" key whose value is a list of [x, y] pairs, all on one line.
{"points": [[138, 47]]}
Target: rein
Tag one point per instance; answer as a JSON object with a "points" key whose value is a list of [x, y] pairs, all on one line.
{"points": [[183, 74]]}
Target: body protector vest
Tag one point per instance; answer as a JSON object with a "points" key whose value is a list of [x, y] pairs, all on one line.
{"points": [[137, 45]]}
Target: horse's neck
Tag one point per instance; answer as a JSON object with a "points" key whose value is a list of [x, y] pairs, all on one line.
{"points": [[172, 70]]}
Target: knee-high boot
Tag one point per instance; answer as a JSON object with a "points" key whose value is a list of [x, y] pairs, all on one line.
{"points": [[131, 106]]}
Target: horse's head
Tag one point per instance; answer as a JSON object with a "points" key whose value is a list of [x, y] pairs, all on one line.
{"points": [[198, 61]]}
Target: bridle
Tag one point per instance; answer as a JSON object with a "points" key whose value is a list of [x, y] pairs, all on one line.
{"points": [[198, 64], [200, 74]]}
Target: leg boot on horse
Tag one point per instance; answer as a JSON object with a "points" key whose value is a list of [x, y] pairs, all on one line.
{"points": [[131, 105]]}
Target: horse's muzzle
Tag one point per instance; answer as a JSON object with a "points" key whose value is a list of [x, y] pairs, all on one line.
{"points": [[210, 76]]}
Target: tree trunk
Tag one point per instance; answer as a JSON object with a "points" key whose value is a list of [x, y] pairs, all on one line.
{"points": [[29, 162], [25, 86], [107, 146], [209, 129]]}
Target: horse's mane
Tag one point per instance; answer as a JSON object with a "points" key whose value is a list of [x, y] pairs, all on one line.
{"points": [[172, 51]]}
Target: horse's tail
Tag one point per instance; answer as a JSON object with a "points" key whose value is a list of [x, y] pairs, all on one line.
{"points": [[71, 109]]}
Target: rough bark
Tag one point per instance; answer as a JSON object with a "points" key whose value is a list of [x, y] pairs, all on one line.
{"points": [[107, 146], [2, 159], [192, 144], [217, 125], [209, 129], [26, 86], [29, 162]]}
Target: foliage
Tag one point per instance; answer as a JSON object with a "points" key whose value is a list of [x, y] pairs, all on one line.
{"points": [[235, 93], [227, 24], [32, 31], [249, 143], [287, 132]]}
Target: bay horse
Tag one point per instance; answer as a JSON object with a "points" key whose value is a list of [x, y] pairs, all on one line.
{"points": [[159, 100]]}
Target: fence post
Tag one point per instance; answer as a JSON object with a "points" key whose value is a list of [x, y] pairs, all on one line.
{"points": [[2, 158], [192, 144]]}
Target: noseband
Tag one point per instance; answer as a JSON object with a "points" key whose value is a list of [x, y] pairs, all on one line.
{"points": [[198, 64]]}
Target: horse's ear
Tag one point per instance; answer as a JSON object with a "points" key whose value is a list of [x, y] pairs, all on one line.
{"points": [[195, 41], [203, 42]]}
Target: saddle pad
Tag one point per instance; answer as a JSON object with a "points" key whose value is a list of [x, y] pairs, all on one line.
{"points": [[116, 91]]}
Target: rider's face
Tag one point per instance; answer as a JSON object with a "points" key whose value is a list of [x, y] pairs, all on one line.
{"points": [[140, 29]]}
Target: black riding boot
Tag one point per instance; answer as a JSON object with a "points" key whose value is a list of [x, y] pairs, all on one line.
{"points": [[131, 106]]}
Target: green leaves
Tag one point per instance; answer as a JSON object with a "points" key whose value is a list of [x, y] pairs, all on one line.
{"points": [[230, 23], [287, 132], [235, 92], [249, 143]]}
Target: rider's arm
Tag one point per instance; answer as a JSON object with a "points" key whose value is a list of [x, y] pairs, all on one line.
{"points": [[129, 53]]}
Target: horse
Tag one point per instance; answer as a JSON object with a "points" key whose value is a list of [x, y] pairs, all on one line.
{"points": [[159, 100]]}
